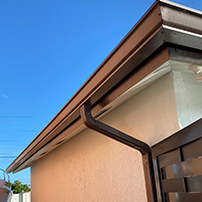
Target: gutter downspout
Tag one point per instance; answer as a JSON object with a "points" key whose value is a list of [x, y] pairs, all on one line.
{"points": [[115, 134]]}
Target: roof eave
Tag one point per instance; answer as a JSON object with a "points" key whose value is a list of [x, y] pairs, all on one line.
{"points": [[154, 29]]}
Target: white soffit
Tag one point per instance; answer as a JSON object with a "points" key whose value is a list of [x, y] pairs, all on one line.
{"points": [[168, 66], [141, 85]]}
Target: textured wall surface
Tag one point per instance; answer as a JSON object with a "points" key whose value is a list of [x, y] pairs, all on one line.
{"points": [[92, 168], [188, 96]]}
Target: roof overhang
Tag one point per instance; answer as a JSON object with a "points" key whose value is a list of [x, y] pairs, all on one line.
{"points": [[167, 30]]}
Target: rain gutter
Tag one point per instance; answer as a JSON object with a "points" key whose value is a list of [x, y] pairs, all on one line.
{"points": [[164, 24], [142, 147]]}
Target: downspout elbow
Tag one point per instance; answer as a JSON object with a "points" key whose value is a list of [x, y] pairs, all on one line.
{"points": [[142, 147]]}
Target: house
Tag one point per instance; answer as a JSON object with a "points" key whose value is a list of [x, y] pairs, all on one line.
{"points": [[147, 89]]}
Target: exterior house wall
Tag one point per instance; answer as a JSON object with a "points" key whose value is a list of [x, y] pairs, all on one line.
{"points": [[91, 167]]}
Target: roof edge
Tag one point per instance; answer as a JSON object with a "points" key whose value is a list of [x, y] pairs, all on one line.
{"points": [[131, 42], [143, 39]]}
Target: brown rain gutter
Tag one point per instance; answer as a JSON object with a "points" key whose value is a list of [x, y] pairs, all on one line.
{"points": [[115, 134]]}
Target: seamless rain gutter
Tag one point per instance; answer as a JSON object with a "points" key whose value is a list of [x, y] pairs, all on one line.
{"points": [[164, 24]]}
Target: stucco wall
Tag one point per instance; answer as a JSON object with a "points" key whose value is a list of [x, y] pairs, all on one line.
{"points": [[188, 96], [93, 168]]}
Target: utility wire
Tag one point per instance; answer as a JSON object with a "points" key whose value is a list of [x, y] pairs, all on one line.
{"points": [[19, 131], [3, 153], [23, 124], [11, 140], [7, 157], [24, 116]]}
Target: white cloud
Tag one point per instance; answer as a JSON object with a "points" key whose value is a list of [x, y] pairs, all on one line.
{"points": [[4, 96]]}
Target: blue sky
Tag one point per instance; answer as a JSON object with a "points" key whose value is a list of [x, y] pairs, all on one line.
{"points": [[47, 50]]}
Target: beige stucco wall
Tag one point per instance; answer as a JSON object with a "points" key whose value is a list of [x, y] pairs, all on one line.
{"points": [[93, 168]]}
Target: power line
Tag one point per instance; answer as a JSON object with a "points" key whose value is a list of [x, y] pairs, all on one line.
{"points": [[25, 124], [18, 131], [3, 153], [24, 116], [18, 140], [7, 157]]}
